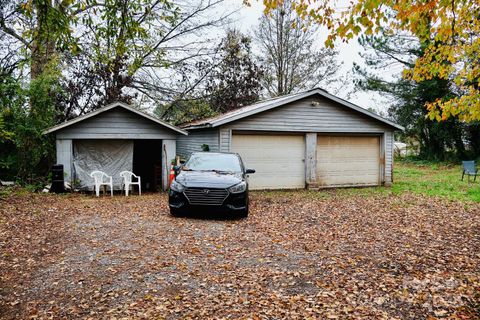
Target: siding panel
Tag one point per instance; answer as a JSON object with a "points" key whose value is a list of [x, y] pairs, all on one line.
{"points": [[225, 139], [64, 156], [116, 124], [306, 116], [194, 141], [388, 157]]}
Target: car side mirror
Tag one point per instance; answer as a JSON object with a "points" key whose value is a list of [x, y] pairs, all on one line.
{"points": [[176, 169], [249, 171]]}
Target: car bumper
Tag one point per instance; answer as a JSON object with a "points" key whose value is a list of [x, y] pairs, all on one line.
{"points": [[233, 203]]}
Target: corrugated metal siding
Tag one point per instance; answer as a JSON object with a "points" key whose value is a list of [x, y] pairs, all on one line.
{"points": [[194, 141], [116, 124], [225, 139], [325, 116], [388, 156]]}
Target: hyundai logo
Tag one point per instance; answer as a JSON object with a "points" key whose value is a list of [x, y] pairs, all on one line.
{"points": [[206, 191]]}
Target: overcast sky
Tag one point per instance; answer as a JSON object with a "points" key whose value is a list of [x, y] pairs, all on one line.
{"points": [[247, 18]]}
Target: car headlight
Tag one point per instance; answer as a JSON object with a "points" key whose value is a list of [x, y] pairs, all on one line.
{"points": [[177, 186], [241, 187]]}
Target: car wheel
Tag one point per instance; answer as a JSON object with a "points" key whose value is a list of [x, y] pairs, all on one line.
{"points": [[244, 213], [175, 212]]}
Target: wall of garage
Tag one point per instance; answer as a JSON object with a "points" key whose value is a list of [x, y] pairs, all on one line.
{"points": [[194, 141], [225, 139], [310, 115], [313, 160], [258, 139], [315, 118], [116, 123], [388, 145]]}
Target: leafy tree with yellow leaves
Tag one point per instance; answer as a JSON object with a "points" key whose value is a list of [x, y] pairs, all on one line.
{"points": [[450, 28], [447, 140]]}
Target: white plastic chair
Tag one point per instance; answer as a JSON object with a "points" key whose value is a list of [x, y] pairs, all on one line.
{"points": [[127, 181], [99, 181]]}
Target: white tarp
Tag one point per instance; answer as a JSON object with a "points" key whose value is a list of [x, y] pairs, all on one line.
{"points": [[109, 156]]}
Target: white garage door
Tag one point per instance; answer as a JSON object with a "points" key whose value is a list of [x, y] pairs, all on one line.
{"points": [[348, 161], [277, 159]]}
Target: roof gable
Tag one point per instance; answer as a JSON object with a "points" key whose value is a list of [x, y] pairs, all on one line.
{"points": [[111, 107], [278, 102], [311, 114]]}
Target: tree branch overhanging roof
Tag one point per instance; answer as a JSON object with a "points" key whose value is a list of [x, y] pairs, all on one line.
{"points": [[277, 102], [109, 107]]}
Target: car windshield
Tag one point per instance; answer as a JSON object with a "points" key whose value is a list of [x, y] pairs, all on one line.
{"points": [[213, 162]]}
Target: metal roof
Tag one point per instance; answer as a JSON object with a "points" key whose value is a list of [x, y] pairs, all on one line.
{"points": [[109, 107], [277, 102]]}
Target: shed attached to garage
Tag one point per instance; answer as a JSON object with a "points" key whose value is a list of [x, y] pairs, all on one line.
{"points": [[115, 138], [308, 139]]}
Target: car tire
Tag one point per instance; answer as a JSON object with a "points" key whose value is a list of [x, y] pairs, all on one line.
{"points": [[244, 213], [175, 212]]}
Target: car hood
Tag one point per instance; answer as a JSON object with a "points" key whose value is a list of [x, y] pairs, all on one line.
{"points": [[208, 179]]}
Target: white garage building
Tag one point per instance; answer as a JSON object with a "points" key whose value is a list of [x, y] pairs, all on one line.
{"points": [[309, 139]]}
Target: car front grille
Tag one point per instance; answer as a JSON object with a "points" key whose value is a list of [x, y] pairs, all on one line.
{"points": [[206, 196]]}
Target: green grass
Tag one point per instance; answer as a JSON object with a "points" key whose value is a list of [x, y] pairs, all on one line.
{"points": [[434, 180], [430, 179], [426, 178]]}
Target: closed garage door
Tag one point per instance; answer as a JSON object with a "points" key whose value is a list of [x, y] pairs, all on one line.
{"points": [[348, 161], [277, 159]]}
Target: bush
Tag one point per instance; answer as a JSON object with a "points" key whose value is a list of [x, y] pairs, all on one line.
{"points": [[25, 152]]}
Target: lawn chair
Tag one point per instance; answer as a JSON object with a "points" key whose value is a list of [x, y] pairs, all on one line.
{"points": [[127, 182], [100, 181], [6, 183], [469, 169]]}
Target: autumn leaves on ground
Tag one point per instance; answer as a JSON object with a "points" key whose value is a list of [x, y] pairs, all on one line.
{"points": [[298, 255]]}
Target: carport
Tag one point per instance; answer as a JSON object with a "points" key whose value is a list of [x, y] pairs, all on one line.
{"points": [[114, 138]]}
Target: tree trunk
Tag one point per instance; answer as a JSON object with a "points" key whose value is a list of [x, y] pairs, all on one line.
{"points": [[43, 44]]}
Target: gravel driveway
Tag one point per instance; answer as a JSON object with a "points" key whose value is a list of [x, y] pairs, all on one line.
{"points": [[297, 255]]}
